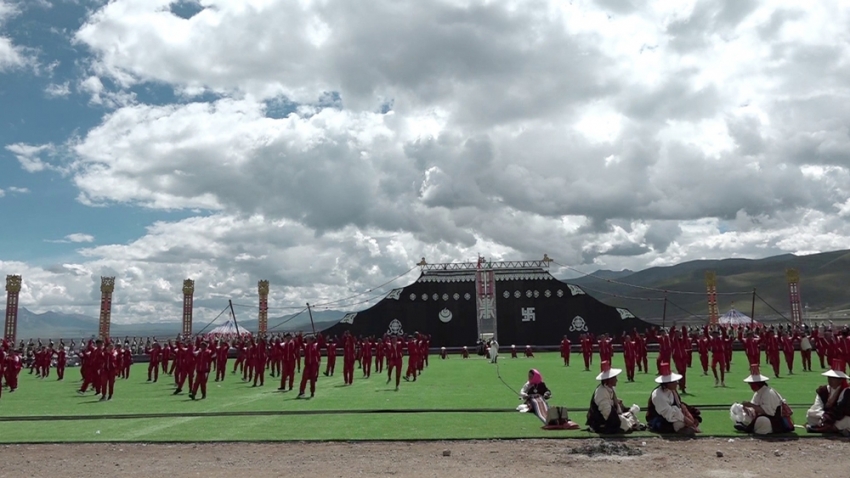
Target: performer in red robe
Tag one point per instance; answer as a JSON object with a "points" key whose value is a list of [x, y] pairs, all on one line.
{"points": [[380, 354], [463, 354], [108, 372], [718, 357], [751, 347], [93, 367], [154, 353], [203, 362], [412, 358], [275, 356], [366, 349], [786, 341], [299, 346], [771, 349], [565, 351], [513, 351], [665, 349], [241, 352], [250, 361], [61, 362], [13, 368], [330, 366], [642, 353], [221, 354], [819, 342], [630, 357], [702, 350], [349, 356], [395, 351], [606, 348], [679, 344], [586, 351], [126, 362], [186, 370], [312, 361], [728, 340], [289, 352], [165, 356], [260, 356], [529, 353]]}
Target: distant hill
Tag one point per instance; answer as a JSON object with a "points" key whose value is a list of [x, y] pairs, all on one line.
{"points": [[55, 325], [823, 286]]}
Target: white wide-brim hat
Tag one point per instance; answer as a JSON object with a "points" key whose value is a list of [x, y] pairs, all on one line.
{"points": [[835, 374], [673, 377], [756, 377], [610, 373]]}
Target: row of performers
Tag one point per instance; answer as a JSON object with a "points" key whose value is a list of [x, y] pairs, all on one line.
{"points": [[714, 347], [194, 361], [764, 414]]}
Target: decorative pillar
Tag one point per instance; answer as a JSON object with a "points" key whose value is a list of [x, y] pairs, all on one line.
{"points": [[13, 288], [107, 286], [263, 317], [794, 294], [711, 290], [188, 301], [485, 292]]}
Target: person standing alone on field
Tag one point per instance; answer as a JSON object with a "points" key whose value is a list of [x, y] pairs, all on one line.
{"points": [[311, 367], [394, 360], [203, 364]]}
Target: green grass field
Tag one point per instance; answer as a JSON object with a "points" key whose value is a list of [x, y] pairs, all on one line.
{"points": [[434, 407]]}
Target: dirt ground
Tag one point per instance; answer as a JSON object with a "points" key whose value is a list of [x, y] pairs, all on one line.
{"points": [[744, 458]]}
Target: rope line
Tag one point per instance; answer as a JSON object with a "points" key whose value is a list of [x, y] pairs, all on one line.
{"points": [[260, 413], [213, 320]]}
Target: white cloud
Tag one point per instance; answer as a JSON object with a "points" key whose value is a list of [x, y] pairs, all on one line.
{"points": [[11, 55], [29, 156], [18, 190], [54, 90], [76, 238]]}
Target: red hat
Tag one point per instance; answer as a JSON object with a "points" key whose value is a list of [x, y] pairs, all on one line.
{"points": [[665, 375]]}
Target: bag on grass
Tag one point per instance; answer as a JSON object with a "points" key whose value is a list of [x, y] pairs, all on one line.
{"points": [[557, 416]]}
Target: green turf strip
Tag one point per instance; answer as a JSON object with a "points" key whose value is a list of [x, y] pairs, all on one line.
{"points": [[440, 398]]}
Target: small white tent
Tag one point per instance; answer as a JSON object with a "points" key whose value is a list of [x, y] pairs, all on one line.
{"points": [[229, 328], [734, 317]]}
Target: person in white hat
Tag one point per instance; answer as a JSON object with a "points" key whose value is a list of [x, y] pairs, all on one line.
{"points": [[666, 412], [766, 407], [607, 414], [831, 411]]}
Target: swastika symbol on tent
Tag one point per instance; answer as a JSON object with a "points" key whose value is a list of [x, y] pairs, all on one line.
{"points": [[528, 314]]}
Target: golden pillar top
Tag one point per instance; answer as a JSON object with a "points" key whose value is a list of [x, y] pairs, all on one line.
{"points": [[107, 285], [792, 275], [188, 287], [13, 284], [263, 287], [710, 278]]}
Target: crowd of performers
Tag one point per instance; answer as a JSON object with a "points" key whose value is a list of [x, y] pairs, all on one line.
{"points": [[765, 413], [191, 361], [714, 345]]}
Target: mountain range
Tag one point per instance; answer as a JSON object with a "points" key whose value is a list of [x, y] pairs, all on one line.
{"points": [[823, 288]]}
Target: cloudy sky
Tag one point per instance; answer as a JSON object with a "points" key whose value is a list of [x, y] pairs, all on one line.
{"points": [[328, 145]]}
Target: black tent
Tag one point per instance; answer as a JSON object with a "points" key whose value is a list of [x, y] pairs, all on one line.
{"points": [[531, 307]]}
